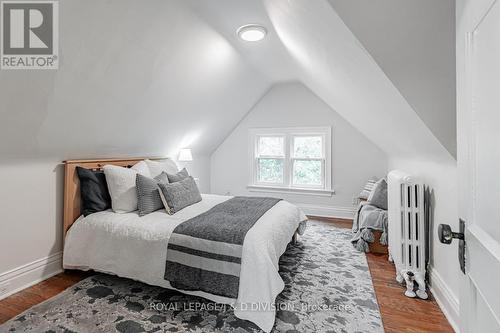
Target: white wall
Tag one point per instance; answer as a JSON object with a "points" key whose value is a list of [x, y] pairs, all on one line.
{"points": [[199, 168], [441, 177], [417, 53], [31, 196], [355, 159]]}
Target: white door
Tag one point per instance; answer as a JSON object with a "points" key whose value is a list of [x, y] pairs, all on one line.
{"points": [[478, 118]]}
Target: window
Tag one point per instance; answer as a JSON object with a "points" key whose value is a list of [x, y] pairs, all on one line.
{"points": [[291, 159], [270, 159]]}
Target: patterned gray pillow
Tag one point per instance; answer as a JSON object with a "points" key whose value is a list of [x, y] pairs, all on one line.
{"points": [[183, 174], [148, 198], [378, 196], [178, 195]]}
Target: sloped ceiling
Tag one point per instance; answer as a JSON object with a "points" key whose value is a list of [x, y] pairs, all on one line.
{"points": [[414, 44], [135, 78], [147, 78], [337, 68], [324, 54], [268, 56]]}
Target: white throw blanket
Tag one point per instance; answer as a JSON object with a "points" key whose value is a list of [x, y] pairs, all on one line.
{"points": [[135, 247]]}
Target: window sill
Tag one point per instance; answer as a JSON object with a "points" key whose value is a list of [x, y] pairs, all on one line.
{"points": [[278, 189]]}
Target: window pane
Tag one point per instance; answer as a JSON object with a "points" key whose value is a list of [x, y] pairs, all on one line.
{"points": [[271, 146], [270, 170], [308, 146], [307, 173]]}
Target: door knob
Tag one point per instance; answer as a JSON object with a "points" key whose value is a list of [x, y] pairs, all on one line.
{"points": [[446, 235]]}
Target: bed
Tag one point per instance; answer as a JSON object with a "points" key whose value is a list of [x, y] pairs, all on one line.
{"points": [[135, 247]]}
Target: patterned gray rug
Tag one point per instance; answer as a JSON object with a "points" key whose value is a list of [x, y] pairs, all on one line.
{"points": [[328, 289]]}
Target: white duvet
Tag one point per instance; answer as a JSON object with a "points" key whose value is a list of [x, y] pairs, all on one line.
{"points": [[136, 247]]}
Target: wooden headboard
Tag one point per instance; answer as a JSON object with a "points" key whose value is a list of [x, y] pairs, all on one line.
{"points": [[72, 184]]}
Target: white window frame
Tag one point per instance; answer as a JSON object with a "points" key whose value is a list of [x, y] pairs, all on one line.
{"points": [[257, 158], [288, 133]]}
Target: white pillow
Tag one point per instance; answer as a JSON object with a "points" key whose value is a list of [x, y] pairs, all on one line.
{"points": [[157, 167], [121, 185]]}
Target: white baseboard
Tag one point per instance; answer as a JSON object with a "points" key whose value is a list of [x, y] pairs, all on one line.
{"points": [[27, 275], [446, 299], [328, 211]]}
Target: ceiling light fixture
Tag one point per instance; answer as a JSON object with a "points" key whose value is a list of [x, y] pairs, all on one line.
{"points": [[252, 32]]}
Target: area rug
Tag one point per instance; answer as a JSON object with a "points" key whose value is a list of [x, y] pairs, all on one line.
{"points": [[328, 289]]}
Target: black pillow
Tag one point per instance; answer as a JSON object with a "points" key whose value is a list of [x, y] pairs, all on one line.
{"points": [[93, 191]]}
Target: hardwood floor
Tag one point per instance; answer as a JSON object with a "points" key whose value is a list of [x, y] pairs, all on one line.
{"points": [[399, 313], [25, 299]]}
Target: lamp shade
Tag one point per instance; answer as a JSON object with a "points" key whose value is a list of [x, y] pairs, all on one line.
{"points": [[185, 155]]}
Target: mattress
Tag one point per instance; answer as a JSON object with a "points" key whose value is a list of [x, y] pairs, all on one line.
{"points": [[136, 247]]}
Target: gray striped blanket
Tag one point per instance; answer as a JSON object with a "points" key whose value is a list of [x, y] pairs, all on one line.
{"points": [[204, 253]]}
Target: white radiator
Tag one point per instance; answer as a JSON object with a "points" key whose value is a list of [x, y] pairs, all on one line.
{"points": [[407, 230]]}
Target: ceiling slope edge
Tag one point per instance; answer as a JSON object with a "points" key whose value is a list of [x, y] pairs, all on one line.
{"points": [[337, 68]]}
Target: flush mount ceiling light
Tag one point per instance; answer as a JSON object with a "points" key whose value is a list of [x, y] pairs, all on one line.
{"points": [[252, 32]]}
